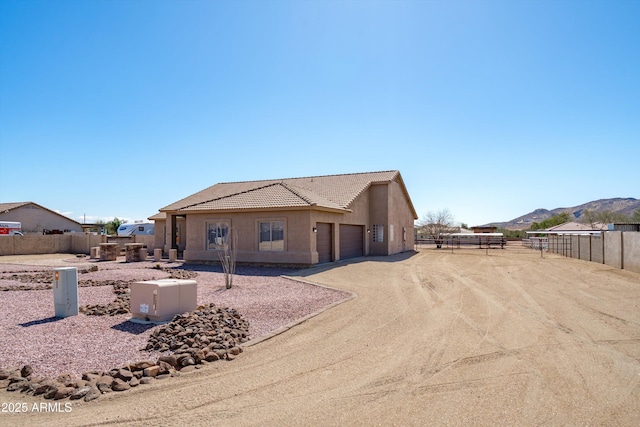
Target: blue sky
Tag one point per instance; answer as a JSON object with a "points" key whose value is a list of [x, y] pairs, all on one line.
{"points": [[489, 109]]}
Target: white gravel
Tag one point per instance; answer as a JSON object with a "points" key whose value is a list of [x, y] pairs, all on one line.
{"points": [[30, 334]]}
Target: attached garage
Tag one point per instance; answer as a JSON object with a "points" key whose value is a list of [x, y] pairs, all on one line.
{"points": [[323, 242], [351, 241]]}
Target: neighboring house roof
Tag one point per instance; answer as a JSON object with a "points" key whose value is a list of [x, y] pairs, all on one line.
{"points": [[7, 207], [160, 216], [576, 226], [330, 192]]}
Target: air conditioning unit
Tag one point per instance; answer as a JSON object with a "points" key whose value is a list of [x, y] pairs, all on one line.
{"points": [[160, 300], [65, 291]]}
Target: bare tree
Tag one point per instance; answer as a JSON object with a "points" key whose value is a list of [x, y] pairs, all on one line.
{"points": [[609, 217], [436, 225], [228, 257], [598, 218], [589, 217]]}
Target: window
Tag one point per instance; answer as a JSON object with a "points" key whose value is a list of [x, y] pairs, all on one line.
{"points": [[271, 236], [378, 233], [391, 232], [217, 233]]}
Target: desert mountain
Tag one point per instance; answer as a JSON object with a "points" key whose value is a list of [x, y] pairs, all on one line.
{"points": [[618, 205]]}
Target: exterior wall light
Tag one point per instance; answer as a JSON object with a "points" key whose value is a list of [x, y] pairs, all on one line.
{"points": [[315, 230]]}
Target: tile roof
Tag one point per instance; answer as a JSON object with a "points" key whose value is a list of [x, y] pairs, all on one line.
{"points": [[335, 192], [11, 206]]}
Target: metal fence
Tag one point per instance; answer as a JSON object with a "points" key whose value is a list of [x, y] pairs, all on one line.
{"points": [[477, 240]]}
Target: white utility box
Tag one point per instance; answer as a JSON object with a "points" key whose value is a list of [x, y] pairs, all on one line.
{"points": [[65, 291], [160, 300]]}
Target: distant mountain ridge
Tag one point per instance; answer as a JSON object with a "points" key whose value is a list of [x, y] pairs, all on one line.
{"points": [[625, 206]]}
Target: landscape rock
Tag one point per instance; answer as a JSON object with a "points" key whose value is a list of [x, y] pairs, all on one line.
{"points": [[119, 385], [51, 391], [93, 394], [67, 379], [63, 393], [16, 385], [151, 371], [138, 366], [79, 393], [164, 368], [16, 378], [4, 374], [124, 374], [170, 359], [104, 383], [45, 387], [26, 371], [92, 376], [205, 335]]}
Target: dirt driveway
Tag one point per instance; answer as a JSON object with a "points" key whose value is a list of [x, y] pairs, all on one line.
{"points": [[435, 338]]}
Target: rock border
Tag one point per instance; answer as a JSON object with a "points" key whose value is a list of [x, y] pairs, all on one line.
{"points": [[205, 335]]}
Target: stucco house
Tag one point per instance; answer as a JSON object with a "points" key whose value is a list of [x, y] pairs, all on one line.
{"points": [[36, 218], [298, 221]]}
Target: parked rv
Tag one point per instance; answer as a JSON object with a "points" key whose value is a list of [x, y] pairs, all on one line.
{"points": [[10, 228], [136, 229]]}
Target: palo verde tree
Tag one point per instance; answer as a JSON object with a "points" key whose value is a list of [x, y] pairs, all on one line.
{"points": [[436, 225]]}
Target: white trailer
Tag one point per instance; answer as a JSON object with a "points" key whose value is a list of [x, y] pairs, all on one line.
{"points": [[10, 228], [136, 229]]}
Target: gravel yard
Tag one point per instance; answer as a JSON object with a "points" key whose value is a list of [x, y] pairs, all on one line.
{"points": [[30, 334]]}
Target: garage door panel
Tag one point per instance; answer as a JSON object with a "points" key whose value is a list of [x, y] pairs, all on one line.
{"points": [[351, 241]]}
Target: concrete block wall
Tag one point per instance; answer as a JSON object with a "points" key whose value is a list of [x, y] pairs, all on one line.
{"points": [[619, 249], [575, 247], [30, 244], [585, 247], [72, 243], [631, 251], [597, 249], [613, 245]]}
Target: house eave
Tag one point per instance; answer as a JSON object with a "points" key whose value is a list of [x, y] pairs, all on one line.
{"points": [[253, 210]]}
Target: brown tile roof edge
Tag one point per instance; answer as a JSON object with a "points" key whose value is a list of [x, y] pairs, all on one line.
{"points": [[336, 191]]}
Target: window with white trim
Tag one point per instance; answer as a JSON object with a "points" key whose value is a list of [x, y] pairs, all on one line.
{"points": [[217, 233], [271, 236], [378, 233]]}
